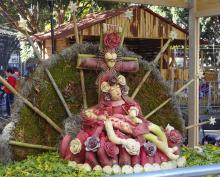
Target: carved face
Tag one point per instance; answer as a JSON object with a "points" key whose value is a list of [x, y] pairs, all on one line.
{"points": [[110, 59], [115, 92]]}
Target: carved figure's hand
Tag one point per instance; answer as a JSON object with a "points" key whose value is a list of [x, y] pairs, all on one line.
{"points": [[89, 113]]}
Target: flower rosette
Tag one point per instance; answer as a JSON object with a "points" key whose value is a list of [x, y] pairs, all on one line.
{"points": [[75, 146], [112, 40], [132, 146], [174, 137], [111, 149], [150, 148], [92, 143], [121, 80], [105, 87]]}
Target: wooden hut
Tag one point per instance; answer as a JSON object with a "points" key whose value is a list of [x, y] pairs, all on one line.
{"points": [[146, 34]]}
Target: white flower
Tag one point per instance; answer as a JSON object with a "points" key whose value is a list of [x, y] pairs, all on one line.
{"points": [[132, 146], [129, 14], [86, 167], [173, 164], [169, 128], [165, 166], [138, 168], [75, 146], [108, 56], [116, 169], [181, 162], [212, 120], [73, 6], [97, 168], [121, 80], [173, 35], [148, 167], [105, 87], [156, 166], [107, 170], [198, 149], [127, 169], [22, 23], [72, 164], [114, 56]]}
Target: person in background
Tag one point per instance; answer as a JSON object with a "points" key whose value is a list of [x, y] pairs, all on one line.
{"points": [[9, 95]]}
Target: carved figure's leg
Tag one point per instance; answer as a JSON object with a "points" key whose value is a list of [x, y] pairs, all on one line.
{"points": [[157, 131], [159, 138]]}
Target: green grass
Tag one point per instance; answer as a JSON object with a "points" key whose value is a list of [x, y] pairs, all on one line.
{"points": [[45, 165]]}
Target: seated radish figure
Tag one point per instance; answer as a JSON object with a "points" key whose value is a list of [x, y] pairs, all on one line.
{"points": [[115, 131]]}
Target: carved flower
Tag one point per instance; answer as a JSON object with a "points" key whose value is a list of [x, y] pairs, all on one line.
{"points": [[174, 137], [86, 167], [112, 40], [127, 169], [92, 143], [108, 56], [138, 168], [114, 56], [181, 162], [148, 167], [150, 148], [107, 169], [132, 146], [97, 168], [121, 80], [105, 87], [75, 146], [111, 149], [116, 169]]}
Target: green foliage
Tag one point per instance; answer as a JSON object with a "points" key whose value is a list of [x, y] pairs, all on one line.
{"points": [[209, 154], [45, 165], [50, 164]]}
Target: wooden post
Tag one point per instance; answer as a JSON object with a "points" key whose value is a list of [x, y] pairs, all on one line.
{"points": [[82, 78], [59, 93], [193, 104], [185, 50], [161, 58], [35, 146]]}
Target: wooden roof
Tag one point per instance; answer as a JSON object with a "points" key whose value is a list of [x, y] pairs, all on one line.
{"points": [[145, 24]]}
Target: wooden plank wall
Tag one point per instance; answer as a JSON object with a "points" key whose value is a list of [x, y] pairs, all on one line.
{"points": [[143, 25], [180, 74], [60, 45]]}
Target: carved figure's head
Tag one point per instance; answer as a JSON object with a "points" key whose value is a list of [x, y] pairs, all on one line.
{"points": [[114, 88], [110, 59]]}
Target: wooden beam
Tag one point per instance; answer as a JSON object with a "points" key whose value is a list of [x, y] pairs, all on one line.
{"points": [[173, 3], [208, 8], [193, 104]]}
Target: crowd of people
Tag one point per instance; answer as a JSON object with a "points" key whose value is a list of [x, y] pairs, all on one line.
{"points": [[6, 96]]}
